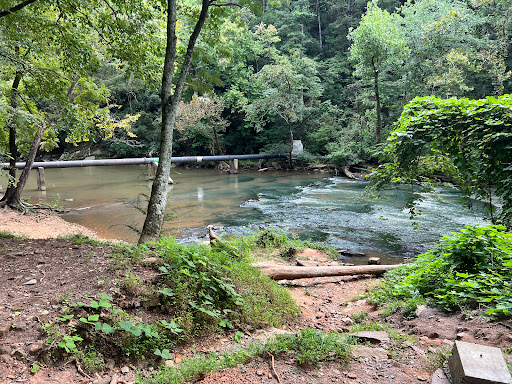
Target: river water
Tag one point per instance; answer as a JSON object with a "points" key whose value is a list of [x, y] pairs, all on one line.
{"points": [[330, 209]]}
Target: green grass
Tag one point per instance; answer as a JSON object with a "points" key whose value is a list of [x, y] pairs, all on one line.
{"points": [[80, 239], [308, 346], [8, 235]]}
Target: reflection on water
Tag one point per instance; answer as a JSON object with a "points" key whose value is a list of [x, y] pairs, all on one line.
{"points": [[329, 209]]}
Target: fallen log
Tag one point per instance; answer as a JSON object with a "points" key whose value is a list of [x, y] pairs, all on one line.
{"points": [[288, 272], [347, 173]]}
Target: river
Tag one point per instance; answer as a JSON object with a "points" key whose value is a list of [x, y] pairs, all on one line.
{"points": [[311, 205]]}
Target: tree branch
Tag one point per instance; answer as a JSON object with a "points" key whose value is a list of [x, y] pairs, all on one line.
{"points": [[17, 8], [214, 4]]}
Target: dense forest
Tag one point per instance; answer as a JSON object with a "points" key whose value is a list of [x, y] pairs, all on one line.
{"points": [[334, 74]]}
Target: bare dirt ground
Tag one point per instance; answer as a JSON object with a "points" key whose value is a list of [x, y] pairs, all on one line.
{"points": [[37, 273]]}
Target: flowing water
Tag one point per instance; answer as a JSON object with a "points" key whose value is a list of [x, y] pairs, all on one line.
{"points": [[330, 209]]}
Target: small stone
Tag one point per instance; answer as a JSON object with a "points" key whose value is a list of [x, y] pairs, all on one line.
{"points": [[370, 353], [439, 377], [260, 372], [347, 321], [102, 380], [461, 335], [17, 354], [30, 282], [319, 315], [4, 330], [151, 260], [35, 348], [374, 261], [421, 378], [125, 370], [6, 359], [5, 350], [350, 375], [169, 363]]}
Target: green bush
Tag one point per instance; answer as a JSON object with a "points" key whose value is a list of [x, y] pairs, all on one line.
{"points": [[470, 269]]}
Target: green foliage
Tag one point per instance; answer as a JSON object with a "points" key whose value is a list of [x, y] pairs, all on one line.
{"points": [[309, 346], [80, 239], [377, 41], [470, 269], [7, 235], [467, 140]]}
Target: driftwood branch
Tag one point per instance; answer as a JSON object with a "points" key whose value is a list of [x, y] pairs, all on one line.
{"points": [[347, 173], [281, 272]]}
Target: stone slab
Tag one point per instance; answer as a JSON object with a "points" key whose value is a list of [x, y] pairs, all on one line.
{"points": [[374, 337], [478, 364], [371, 353]]}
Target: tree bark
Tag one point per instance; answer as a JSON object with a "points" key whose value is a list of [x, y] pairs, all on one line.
{"points": [[13, 148], [158, 200], [290, 164], [282, 272], [14, 199], [377, 101]]}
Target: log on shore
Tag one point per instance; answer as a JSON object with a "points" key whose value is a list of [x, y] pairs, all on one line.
{"points": [[281, 272]]}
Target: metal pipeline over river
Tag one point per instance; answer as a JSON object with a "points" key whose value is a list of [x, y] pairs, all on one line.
{"points": [[143, 160]]}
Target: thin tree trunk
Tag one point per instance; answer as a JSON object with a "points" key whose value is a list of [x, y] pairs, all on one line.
{"points": [[158, 200], [217, 143], [377, 101], [14, 199], [291, 144], [319, 23], [13, 148]]}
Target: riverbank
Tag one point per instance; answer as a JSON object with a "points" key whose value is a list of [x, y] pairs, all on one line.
{"points": [[40, 277], [39, 225]]}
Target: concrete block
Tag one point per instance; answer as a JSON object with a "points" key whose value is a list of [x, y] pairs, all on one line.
{"points": [[478, 364]]}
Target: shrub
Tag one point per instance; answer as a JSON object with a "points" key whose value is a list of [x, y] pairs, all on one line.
{"points": [[470, 269]]}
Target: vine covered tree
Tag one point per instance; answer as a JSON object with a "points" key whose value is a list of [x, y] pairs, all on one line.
{"points": [[468, 140]]}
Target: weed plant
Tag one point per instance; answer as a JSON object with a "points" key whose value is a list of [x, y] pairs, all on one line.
{"points": [[471, 269], [307, 347], [7, 235]]}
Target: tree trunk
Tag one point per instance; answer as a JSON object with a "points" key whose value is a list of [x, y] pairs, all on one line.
{"points": [[291, 144], [14, 199], [282, 272], [217, 142], [377, 101], [319, 23], [158, 200], [13, 148]]}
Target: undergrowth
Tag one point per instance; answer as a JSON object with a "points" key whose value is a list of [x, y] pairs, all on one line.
{"points": [[307, 347], [187, 291], [469, 270]]}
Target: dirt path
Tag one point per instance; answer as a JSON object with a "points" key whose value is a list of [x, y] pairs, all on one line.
{"points": [[37, 274]]}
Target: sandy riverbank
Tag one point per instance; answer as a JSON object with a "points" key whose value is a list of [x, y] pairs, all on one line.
{"points": [[39, 225]]}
